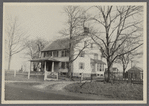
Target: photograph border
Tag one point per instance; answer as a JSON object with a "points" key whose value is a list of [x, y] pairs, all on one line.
{"points": [[86, 101]]}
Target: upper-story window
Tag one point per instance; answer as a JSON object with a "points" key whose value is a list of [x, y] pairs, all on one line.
{"points": [[81, 65], [82, 53], [64, 53], [49, 54], [43, 54], [95, 56], [55, 53]]}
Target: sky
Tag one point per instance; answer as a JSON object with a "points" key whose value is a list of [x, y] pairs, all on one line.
{"points": [[38, 20]]}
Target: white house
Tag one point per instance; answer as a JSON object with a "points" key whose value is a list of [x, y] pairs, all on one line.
{"points": [[55, 57]]}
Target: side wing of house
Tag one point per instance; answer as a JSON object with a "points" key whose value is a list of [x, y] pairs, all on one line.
{"points": [[90, 60]]}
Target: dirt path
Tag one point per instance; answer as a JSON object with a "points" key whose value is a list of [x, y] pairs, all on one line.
{"points": [[55, 85]]}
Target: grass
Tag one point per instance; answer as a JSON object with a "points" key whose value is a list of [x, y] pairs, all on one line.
{"points": [[23, 77], [121, 91]]}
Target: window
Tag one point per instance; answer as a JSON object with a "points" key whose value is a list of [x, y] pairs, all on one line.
{"points": [[44, 54], [67, 65], [55, 53], [63, 65], [135, 76], [49, 54], [64, 53], [100, 68], [82, 53], [96, 56], [131, 75], [81, 65]]}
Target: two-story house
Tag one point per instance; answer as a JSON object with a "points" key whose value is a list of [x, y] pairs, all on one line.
{"points": [[87, 55]]}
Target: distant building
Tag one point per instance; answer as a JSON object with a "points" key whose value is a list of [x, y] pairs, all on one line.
{"points": [[55, 57], [135, 73], [115, 73]]}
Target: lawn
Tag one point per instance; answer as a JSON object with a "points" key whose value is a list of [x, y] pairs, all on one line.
{"points": [[22, 77], [121, 91]]}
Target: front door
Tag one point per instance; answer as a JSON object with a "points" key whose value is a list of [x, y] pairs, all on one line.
{"points": [[49, 66]]}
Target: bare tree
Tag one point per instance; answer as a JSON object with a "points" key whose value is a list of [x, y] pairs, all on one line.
{"points": [[125, 59], [117, 25], [34, 47], [33, 50], [14, 38], [75, 26]]}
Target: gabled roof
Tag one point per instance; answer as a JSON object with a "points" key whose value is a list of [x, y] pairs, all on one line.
{"points": [[58, 44], [135, 69], [97, 61], [63, 43]]}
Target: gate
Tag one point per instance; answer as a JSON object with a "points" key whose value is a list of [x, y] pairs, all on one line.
{"points": [[50, 75]]}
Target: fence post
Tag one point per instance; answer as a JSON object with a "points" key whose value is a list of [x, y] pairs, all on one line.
{"points": [[91, 78], [29, 71], [14, 73], [57, 76], [29, 75], [45, 75], [81, 78]]}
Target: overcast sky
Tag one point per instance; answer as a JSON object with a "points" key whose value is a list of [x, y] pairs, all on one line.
{"points": [[38, 19]]}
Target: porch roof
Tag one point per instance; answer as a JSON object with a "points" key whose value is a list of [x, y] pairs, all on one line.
{"points": [[49, 59]]}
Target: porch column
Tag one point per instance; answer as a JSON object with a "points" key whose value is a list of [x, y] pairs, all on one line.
{"points": [[53, 66], [45, 71]]}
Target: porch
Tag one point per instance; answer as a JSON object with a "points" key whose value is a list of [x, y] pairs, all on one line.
{"points": [[97, 67], [49, 66]]}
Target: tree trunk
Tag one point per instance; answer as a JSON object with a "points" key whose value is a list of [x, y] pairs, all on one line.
{"points": [[69, 69], [9, 62], [70, 61], [107, 73], [124, 71], [70, 53]]}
